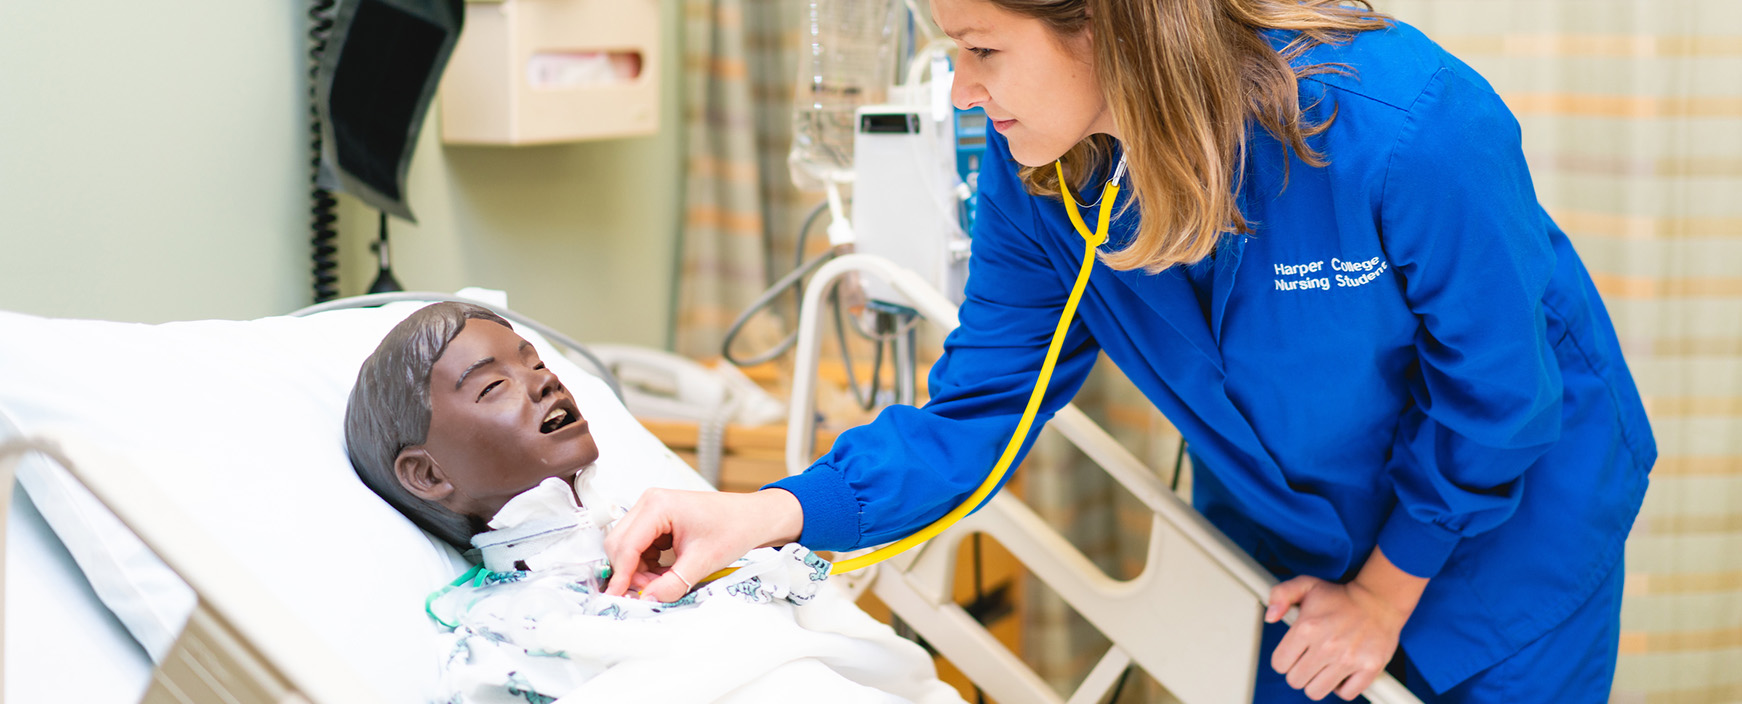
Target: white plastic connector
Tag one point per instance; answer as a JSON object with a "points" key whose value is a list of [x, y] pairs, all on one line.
{"points": [[840, 228]]}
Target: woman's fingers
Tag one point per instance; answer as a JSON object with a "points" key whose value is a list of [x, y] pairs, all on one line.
{"points": [[1313, 663], [645, 523], [668, 588], [643, 578], [1324, 683], [1288, 653], [1340, 643], [1283, 597], [684, 575], [1287, 594], [705, 530], [1357, 683]]}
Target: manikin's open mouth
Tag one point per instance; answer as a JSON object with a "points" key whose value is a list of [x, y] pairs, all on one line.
{"points": [[557, 419]]}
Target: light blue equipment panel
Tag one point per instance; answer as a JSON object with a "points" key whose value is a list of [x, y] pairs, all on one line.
{"points": [[970, 148]]}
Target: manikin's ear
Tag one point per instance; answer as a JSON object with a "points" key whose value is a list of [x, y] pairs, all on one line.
{"points": [[418, 473]]}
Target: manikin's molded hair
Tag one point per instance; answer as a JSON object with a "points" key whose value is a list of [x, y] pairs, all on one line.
{"points": [[389, 411]]}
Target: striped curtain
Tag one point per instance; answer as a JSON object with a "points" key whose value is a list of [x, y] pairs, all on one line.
{"points": [[1632, 119], [741, 210]]}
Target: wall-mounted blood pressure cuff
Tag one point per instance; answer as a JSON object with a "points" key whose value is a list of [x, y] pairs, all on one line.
{"points": [[377, 75]]}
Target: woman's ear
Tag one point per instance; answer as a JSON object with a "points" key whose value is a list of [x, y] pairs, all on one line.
{"points": [[420, 475]]}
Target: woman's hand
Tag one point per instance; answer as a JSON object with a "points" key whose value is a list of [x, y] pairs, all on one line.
{"points": [[1346, 633], [706, 530]]}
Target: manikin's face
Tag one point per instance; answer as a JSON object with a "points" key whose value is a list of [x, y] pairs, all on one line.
{"points": [[500, 422], [1038, 88]]}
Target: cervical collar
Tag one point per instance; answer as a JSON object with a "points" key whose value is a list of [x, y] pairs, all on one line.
{"points": [[544, 526]]}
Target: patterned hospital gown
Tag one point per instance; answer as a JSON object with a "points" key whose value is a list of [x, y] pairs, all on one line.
{"points": [[531, 636]]}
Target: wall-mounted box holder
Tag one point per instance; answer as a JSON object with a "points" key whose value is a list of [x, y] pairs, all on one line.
{"points": [[544, 71]]}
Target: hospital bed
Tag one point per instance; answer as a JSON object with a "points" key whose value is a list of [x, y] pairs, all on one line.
{"points": [[210, 543]]}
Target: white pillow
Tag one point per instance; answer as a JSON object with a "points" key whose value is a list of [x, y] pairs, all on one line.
{"points": [[241, 423]]}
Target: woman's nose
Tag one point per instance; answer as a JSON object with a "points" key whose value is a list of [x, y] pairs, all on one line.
{"points": [[966, 91]]}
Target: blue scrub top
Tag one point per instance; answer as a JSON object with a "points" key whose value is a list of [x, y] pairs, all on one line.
{"points": [[1406, 352]]}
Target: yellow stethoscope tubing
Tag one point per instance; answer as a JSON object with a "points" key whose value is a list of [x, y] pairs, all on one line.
{"points": [[1091, 241]]}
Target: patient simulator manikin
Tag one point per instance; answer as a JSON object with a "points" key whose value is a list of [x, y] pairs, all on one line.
{"points": [[463, 430]]}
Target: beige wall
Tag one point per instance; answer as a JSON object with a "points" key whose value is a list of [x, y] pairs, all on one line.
{"points": [[152, 168]]}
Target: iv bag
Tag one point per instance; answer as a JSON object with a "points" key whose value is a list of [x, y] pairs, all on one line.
{"points": [[847, 59]]}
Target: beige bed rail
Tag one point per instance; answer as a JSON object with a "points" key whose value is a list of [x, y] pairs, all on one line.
{"points": [[240, 645], [1191, 619]]}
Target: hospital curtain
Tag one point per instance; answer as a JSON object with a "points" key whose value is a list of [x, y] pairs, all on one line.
{"points": [[1632, 118], [741, 210]]}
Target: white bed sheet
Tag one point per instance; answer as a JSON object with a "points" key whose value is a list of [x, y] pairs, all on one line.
{"points": [[62, 644]]}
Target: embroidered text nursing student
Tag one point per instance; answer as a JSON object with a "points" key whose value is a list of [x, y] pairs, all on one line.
{"points": [[1344, 274]]}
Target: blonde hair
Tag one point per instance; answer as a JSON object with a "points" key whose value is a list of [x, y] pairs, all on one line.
{"points": [[1184, 80]]}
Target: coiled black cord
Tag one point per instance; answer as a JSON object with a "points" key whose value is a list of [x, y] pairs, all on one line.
{"points": [[323, 238]]}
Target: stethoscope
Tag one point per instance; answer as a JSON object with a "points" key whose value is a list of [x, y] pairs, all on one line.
{"points": [[1091, 241]]}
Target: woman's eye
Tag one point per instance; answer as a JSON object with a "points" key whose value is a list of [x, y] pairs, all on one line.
{"points": [[980, 53], [540, 365], [487, 388]]}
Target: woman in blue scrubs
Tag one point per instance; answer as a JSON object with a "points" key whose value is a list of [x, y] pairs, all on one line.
{"points": [[1330, 271]]}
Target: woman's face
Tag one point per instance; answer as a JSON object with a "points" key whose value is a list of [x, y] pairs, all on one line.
{"points": [[500, 422], [1038, 88]]}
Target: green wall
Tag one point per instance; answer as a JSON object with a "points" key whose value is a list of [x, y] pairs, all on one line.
{"points": [[153, 167], [150, 159]]}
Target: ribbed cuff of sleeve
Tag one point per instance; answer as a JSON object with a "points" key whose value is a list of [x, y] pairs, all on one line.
{"points": [[831, 511], [1420, 549]]}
